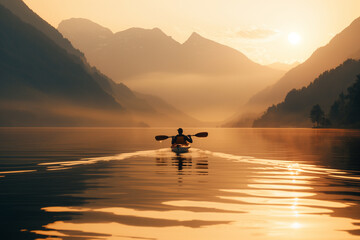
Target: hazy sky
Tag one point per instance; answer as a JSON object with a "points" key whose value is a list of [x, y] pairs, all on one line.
{"points": [[258, 28]]}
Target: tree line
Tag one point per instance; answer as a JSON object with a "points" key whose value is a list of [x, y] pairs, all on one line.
{"points": [[344, 112], [324, 91]]}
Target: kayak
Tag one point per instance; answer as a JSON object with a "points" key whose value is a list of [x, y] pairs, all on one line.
{"points": [[180, 148]]}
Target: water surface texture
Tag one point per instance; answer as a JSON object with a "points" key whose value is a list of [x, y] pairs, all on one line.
{"points": [[113, 183]]}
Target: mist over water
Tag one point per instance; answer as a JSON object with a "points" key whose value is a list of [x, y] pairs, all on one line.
{"points": [[117, 183], [201, 96]]}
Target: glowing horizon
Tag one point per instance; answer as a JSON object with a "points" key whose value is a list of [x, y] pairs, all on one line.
{"points": [[257, 29]]}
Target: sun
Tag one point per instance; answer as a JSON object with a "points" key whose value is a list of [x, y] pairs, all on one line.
{"points": [[294, 38]]}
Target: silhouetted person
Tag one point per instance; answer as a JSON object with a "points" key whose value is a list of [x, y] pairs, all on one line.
{"points": [[181, 138]]}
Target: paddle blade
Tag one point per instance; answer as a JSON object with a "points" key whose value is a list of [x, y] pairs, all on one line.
{"points": [[161, 137], [201, 134]]}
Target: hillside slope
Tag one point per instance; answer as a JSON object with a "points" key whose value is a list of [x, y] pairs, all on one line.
{"points": [[294, 111], [42, 84]]}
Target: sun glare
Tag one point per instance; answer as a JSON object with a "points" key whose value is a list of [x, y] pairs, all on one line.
{"points": [[294, 38]]}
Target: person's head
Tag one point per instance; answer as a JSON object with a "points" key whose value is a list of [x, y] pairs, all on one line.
{"points": [[180, 131]]}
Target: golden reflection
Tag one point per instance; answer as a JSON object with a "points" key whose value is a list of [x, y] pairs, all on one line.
{"points": [[279, 203], [293, 168], [287, 177], [50, 238], [272, 229], [270, 216], [274, 186], [269, 193], [51, 233], [267, 209], [296, 214], [277, 181], [178, 215], [20, 171], [57, 168], [245, 218], [296, 225], [119, 157], [346, 177], [289, 201]]}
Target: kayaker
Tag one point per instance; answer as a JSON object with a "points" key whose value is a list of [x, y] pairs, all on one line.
{"points": [[181, 138]]}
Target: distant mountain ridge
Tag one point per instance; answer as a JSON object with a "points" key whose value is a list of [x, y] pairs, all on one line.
{"points": [[216, 78], [150, 50]]}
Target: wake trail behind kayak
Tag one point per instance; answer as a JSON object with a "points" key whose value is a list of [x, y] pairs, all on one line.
{"points": [[288, 165]]}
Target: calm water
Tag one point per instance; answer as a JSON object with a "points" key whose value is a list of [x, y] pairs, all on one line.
{"points": [[93, 183]]}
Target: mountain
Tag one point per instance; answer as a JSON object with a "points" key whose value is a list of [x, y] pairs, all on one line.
{"points": [[89, 36], [283, 66], [343, 46], [22, 11], [294, 111], [206, 79], [201, 55], [46, 81], [42, 84], [151, 50], [133, 49]]}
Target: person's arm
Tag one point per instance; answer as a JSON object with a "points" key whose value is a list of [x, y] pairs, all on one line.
{"points": [[188, 138], [173, 140]]}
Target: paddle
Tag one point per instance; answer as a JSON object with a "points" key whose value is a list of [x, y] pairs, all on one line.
{"points": [[163, 137], [201, 134]]}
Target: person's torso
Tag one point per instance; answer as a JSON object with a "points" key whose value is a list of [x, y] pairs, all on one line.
{"points": [[180, 139]]}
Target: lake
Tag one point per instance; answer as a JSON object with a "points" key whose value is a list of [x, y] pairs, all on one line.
{"points": [[119, 183]]}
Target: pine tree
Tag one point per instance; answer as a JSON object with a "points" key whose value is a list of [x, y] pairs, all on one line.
{"points": [[317, 115]]}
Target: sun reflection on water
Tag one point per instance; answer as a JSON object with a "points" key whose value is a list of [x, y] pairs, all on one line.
{"points": [[278, 202], [296, 225]]}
